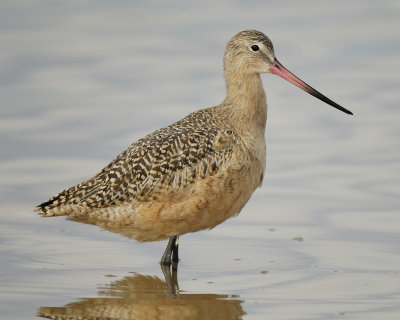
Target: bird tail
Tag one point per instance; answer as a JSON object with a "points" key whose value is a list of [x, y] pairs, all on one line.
{"points": [[78, 198], [59, 205], [48, 208]]}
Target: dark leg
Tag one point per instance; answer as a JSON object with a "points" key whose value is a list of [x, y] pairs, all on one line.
{"points": [[175, 257], [169, 257], [171, 252]]}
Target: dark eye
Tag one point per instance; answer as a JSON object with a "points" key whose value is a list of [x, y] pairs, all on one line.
{"points": [[255, 47]]}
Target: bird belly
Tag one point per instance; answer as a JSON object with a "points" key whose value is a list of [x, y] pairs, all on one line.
{"points": [[202, 205]]}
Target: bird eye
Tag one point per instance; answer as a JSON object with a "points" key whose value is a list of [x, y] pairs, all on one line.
{"points": [[255, 47]]}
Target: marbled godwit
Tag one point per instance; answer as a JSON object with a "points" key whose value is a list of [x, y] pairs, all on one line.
{"points": [[195, 173]]}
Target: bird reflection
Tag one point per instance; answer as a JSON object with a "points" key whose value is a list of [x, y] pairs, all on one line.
{"points": [[147, 297]]}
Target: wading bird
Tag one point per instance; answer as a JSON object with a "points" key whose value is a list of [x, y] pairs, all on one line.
{"points": [[195, 173]]}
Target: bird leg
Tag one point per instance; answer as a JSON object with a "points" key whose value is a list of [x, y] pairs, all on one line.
{"points": [[170, 257], [175, 257], [171, 252]]}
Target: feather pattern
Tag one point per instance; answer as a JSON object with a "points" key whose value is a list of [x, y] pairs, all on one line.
{"points": [[168, 159], [191, 175]]}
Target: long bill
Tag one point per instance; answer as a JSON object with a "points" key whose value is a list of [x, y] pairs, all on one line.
{"points": [[278, 69]]}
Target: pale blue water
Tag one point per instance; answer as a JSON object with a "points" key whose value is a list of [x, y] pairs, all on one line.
{"points": [[79, 81]]}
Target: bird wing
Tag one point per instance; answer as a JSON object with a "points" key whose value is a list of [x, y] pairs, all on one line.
{"points": [[167, 159]]}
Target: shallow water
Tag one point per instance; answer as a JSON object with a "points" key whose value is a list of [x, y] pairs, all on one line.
{"points": [[319, 240]]}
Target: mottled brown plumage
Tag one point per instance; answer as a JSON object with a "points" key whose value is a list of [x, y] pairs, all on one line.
{"points": [[189, 176], [170, 158], [195, 173]]}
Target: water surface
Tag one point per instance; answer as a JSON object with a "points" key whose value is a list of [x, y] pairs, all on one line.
{"points": [[319, 240]]}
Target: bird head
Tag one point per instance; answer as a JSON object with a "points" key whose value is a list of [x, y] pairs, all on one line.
{"points": [[251, 52]]}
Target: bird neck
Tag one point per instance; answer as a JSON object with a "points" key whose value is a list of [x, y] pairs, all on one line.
{"points": [[246, 96]]}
